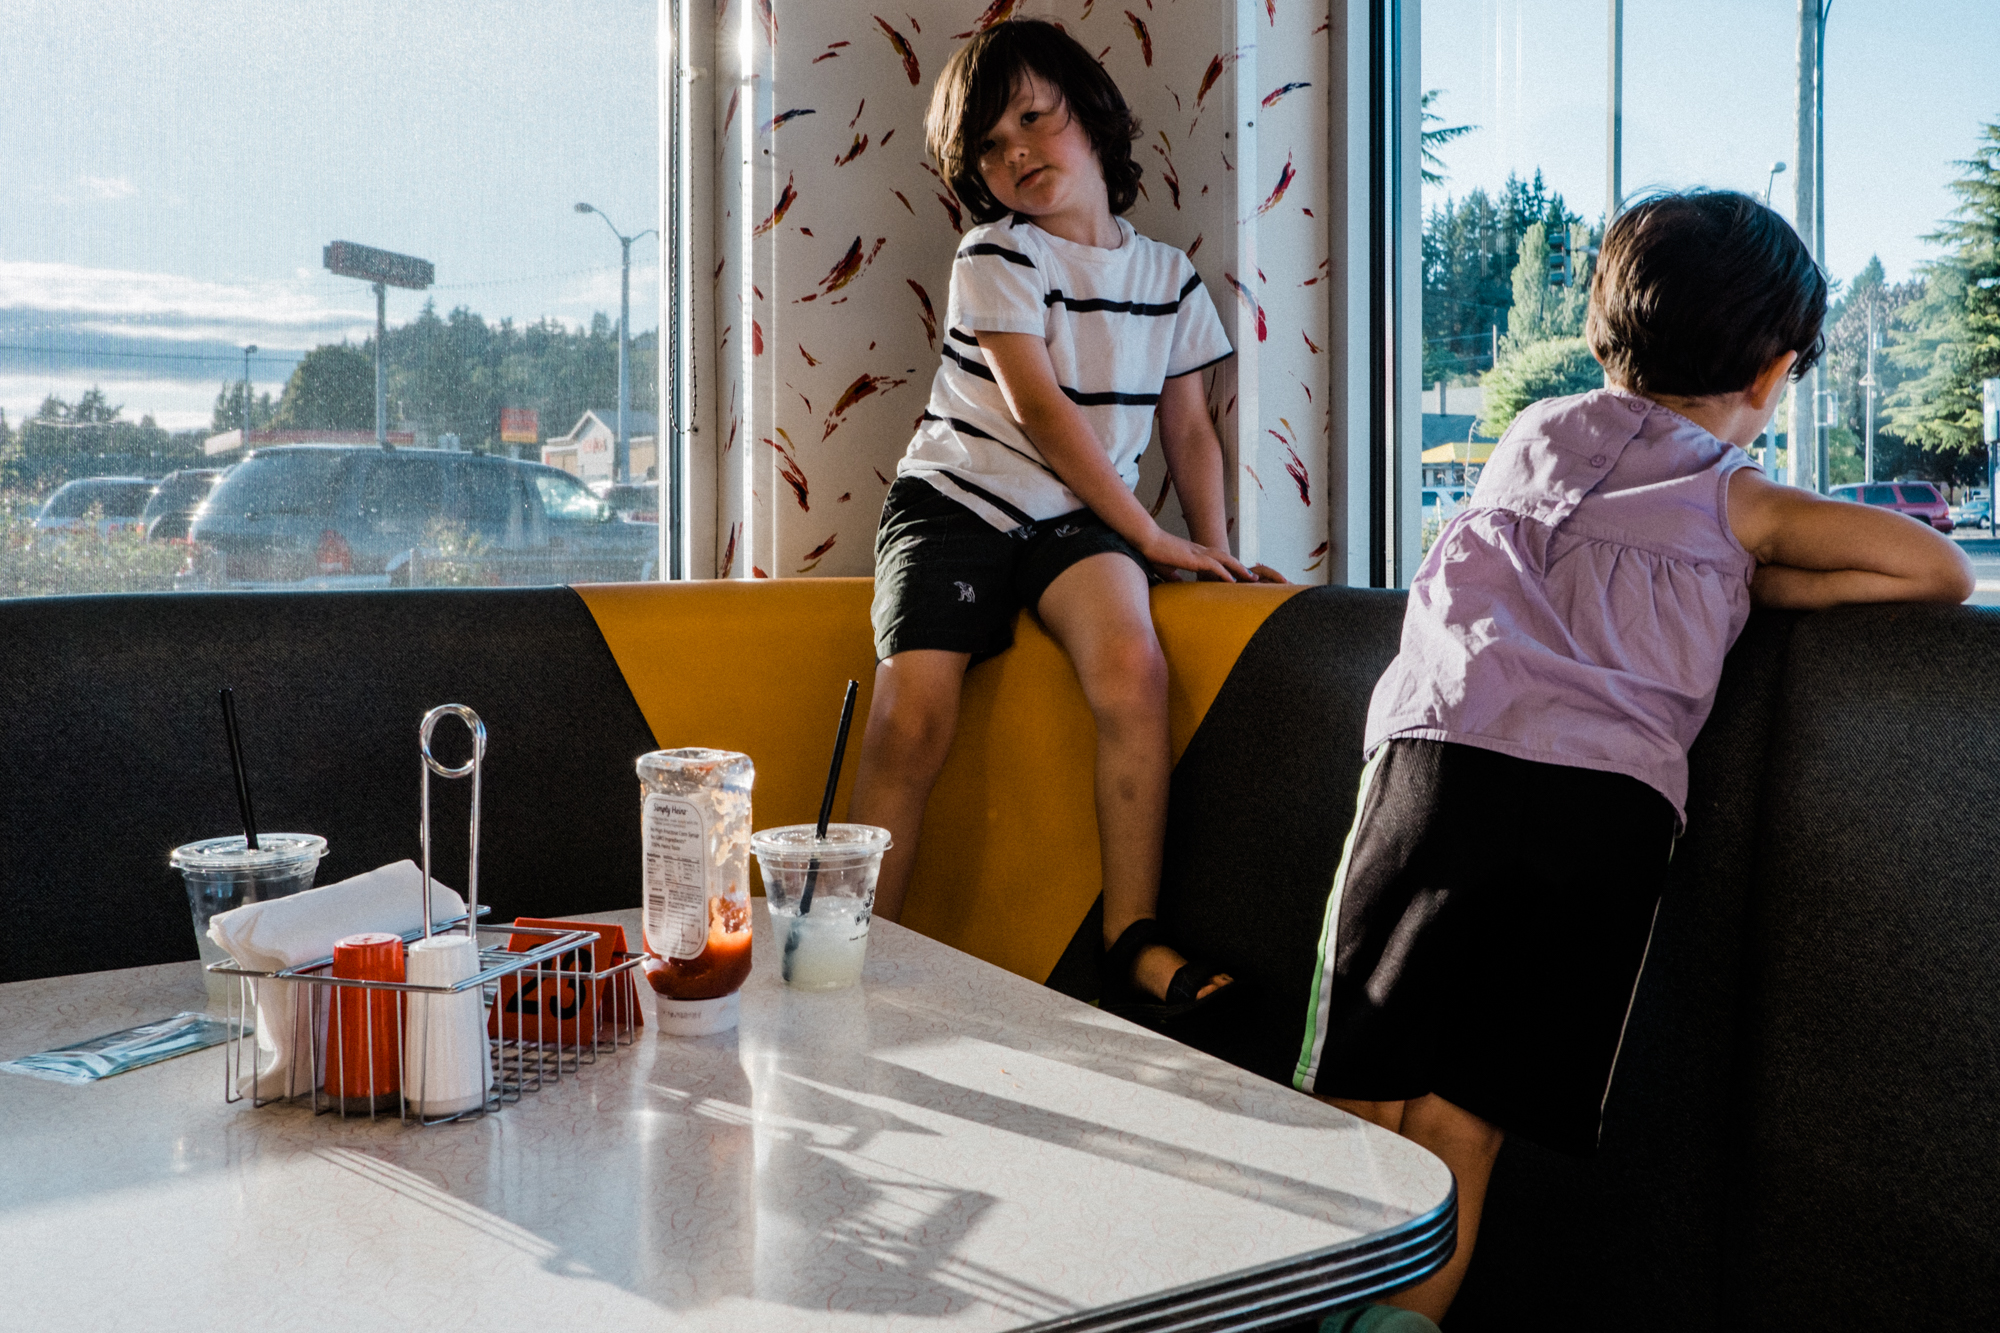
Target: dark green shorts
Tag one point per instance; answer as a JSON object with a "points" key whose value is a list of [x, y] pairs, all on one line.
{"points": [[947, 579]]}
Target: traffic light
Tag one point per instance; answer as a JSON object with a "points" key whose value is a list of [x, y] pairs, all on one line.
{"points": [[1560, 272]]}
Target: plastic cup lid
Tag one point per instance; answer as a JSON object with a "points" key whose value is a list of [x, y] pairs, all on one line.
{"points": [[798, 842], [273, 850]]}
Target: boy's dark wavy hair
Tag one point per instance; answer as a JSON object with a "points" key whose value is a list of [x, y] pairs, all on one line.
{"points": [[1697, 291], [978, 82]]}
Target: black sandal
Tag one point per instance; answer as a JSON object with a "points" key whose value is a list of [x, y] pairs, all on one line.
{"points": [[1125, 999]]}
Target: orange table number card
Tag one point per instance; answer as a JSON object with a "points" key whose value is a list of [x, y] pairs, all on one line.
{"points": [[560, 1002]]}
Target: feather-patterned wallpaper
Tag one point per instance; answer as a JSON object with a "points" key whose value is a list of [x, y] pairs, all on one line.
{"points": [[835, 240]]}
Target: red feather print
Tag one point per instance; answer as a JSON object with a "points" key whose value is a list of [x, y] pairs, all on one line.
{"points": [[1216, 65], [789, 469], [845, 496], [857, 113], [950, 202], [930, 313], [879, 477], [818, 553], [1278, 191], [757, 573], [811, 360], [1166, 488], [905, 201], [859, 147], [1196, 246], [729, 551], [1145, 38], [1250, 301], [997, 12], [735, 95], [769, 18], [785, 117], [756, 338], [847, 270], [1271, 98], [864, 386], [1271, 11], [1171, 176], [1317, 555], [1297, 468], [1309, 342], [902, 46]]}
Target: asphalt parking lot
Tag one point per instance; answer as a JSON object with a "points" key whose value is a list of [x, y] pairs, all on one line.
{"points": [[1985, 553]]}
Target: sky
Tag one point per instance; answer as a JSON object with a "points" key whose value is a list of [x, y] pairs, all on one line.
{"points": [[174, 170], [1710, 96]]}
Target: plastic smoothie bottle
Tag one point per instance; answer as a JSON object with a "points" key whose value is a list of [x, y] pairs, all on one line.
{"points": [[695, 844]]}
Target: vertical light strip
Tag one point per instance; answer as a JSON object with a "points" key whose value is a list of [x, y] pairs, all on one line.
{"points": [[1249, 367], [668, 450], [746, 120]]}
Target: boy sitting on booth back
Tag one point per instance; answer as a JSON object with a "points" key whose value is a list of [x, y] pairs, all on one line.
{"points": [[1067, 332], [1562, 646]]}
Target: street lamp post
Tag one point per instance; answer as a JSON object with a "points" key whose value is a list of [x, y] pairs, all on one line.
{"points": [[621, 458], [1771, 180], [247, 352]]}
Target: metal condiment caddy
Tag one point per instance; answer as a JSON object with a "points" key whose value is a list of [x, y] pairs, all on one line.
{"points": [[524, 1049]]}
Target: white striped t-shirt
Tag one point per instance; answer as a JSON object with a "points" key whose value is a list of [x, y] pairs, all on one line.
{"points": [[1119, 324]]}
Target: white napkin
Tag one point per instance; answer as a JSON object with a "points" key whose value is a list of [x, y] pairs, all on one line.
{"points": [[285, 932]]}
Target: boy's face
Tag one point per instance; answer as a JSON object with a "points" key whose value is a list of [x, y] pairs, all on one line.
{"points": [[1037, 160]]}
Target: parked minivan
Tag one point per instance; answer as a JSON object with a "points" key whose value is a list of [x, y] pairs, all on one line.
{"points": [[316, 515]]}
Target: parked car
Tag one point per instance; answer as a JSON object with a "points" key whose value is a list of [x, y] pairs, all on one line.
{"points": [[172, 508], [1976, 512], [1918, 499], [119, 502], [633, 501], [316, 515]]}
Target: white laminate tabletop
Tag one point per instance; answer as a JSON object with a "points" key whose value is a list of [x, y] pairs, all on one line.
{"points": [[947, 1146]]}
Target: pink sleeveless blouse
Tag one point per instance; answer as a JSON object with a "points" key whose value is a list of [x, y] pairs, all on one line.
{"points": [[1578, 610]]}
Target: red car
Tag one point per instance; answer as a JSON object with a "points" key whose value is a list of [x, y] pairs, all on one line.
{"points": [[1918, 499]]}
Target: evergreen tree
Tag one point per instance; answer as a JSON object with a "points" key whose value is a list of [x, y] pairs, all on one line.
{"points": [[332, 388], [1949, 340]]}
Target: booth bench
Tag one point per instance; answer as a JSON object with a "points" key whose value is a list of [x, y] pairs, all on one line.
{"points": [[1805, 1126]]}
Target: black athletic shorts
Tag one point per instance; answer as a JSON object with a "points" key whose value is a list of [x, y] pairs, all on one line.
{"points": [[1484, 937], [945, 578]]}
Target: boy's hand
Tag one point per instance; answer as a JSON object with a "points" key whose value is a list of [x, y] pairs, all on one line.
{"points": [[1162, 548]]}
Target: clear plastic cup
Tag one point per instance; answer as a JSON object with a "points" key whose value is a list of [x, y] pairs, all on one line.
{"points": [[826, 945], [223, 873]]}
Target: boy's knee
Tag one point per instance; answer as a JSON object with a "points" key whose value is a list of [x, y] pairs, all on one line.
{"points": [[914, 731], [1127, 678]]}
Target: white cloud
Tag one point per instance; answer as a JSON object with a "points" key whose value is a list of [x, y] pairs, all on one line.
{"points": [[168, 306], [174, 403], [107, 187]]}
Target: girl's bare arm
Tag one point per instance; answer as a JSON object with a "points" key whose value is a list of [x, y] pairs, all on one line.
{"points": [[1058, 428], [1814, 552]]}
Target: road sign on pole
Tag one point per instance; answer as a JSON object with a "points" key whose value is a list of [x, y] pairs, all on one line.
{"points": [[384, 269]]}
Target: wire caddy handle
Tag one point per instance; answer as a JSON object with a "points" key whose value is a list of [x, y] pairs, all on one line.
{"points": [[525, 1051]]}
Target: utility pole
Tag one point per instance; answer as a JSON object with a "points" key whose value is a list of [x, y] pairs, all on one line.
{"points": [[247, 352], [1868, 382], [1822, 419], [1614, 130], [381, 374], [621, 456], [382, 269], [1802, 414]]}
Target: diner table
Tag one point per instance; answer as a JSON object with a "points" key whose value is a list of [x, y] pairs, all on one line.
{"points": [[947, 1146]]}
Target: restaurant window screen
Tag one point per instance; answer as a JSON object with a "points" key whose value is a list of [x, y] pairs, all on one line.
{"points": [[173, 300], [1541, 118]]}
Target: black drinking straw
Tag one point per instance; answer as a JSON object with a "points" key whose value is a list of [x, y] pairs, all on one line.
{"points": [[826, 801], [236, 763]]}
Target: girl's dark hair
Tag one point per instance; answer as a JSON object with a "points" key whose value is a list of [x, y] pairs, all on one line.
{"points": [[978, 82], [1696, 292]]}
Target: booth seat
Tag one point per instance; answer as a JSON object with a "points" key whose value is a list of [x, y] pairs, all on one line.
{"points": [[1805, 1127]]}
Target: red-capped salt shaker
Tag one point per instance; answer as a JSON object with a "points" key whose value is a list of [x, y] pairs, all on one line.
{"points": [[364, 1033]]}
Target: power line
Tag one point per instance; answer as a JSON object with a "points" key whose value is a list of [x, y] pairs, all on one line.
{"points": [[83, 354]]}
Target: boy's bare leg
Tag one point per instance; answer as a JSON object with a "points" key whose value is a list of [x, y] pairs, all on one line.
{"points": [[910, 724], [1466, 1144], [1098, 610]]}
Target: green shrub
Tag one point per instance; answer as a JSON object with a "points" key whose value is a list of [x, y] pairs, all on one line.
{"points": [[53, 564], [1530, 372]]}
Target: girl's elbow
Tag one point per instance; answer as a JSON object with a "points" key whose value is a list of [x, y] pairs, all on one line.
{"points": [[1952, 580]]}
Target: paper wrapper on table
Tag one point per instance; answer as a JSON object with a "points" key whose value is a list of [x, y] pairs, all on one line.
{"points": [[288, 932]]}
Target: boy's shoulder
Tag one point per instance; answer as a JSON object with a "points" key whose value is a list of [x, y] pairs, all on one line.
{"points": [[1003, 235]]}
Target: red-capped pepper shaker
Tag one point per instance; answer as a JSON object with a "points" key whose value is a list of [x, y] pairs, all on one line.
{"points": [[365, 1031]]}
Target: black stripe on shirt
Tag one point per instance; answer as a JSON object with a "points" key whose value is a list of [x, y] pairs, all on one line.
{"points": [[959, 335], [988, 248], [1014, 512], [1078, 304], [967, 428], [1106, 399]]}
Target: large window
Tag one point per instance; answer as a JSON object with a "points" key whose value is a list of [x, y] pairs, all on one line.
{"points": [[168, 315], [1518, 180]]}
